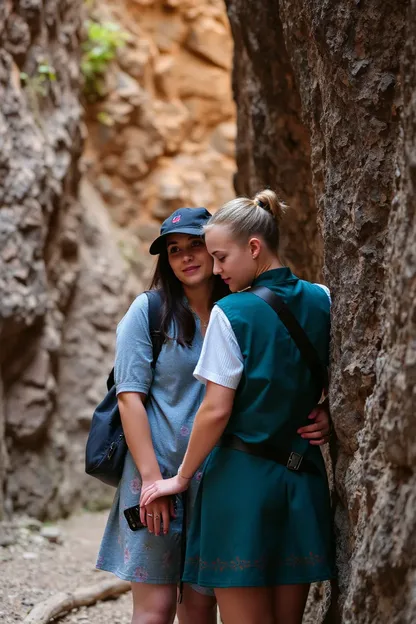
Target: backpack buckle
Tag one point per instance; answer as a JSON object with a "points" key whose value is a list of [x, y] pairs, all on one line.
{"points": [[294, 461]]}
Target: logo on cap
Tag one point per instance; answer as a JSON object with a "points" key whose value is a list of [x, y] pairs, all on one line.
{"points": [[176, 219]]}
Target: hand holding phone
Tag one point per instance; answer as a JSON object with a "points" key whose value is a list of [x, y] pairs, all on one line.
{"points": [[132, 515]]}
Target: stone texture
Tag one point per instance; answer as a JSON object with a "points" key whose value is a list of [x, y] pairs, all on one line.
{"points": [[171, 99], [3, 450], [40, 144], [385, 555], [358, 105], [273, 147], [107, 283], [354, 125], [210, 38]]}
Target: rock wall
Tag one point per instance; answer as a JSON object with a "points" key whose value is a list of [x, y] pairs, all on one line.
{"points": [[163, 134], [359, 108], [105, 288], [62, 276], [273, 145], [39, 225]]}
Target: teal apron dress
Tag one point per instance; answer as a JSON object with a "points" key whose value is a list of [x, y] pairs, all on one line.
{"points": [[255, 522]]}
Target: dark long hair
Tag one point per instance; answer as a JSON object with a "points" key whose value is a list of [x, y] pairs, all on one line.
{"points": [[174, 307]]}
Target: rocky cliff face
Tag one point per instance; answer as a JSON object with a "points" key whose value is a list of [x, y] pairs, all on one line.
{"points": [[40, 222], [273, 146], [159, 136], [163, 134], [359, 110], [62, 277]]}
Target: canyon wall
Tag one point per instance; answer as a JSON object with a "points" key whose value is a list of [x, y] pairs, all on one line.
{"points": [[39, 224], [162, 135]]}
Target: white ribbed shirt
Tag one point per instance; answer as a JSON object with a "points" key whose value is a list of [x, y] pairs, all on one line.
{"points": [[221, 360]]}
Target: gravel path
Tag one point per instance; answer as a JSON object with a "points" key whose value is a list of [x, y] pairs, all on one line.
{"points": [[37, 561]]}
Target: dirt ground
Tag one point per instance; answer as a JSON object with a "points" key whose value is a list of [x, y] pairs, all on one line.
{"points": [[37, 561]]}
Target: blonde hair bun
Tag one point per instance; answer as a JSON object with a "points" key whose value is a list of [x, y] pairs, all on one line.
{"points": [[268, 200], [249, 217]]}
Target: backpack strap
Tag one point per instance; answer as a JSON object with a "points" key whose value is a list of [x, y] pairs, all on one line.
{"points": [[298, 334], [155, 320]]}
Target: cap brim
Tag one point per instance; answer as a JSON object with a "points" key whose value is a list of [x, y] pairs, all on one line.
{"points": [[159, 244]]}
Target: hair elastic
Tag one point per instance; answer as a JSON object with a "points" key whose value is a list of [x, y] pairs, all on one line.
{"points": [[261, 204]]}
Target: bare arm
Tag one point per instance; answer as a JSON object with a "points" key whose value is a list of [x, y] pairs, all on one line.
{"points": [[138, 435], [139, 440], [210, 422]]}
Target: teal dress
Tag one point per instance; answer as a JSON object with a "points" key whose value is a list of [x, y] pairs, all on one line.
{"points": [[255, 522]]}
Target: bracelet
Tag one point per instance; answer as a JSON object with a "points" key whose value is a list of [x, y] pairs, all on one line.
{"points": [[181, 475]]}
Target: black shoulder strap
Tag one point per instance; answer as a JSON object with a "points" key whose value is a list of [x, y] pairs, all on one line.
{"points": [[298, 334], [155, 320]]}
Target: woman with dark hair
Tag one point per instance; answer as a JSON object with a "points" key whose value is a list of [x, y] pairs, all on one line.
{"points": [[157, 409]]}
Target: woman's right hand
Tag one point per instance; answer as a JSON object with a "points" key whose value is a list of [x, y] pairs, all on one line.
{"points": [[157, 514]]}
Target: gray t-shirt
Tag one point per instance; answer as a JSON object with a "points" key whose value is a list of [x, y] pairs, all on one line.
{"points": [[174, 395]]}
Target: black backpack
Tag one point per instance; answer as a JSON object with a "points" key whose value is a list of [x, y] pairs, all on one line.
{"points": [[106, 445]]}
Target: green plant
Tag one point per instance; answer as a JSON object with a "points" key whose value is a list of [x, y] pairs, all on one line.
{"points": [[105, 119], [39, 82], [99, 49], [37, 86]]}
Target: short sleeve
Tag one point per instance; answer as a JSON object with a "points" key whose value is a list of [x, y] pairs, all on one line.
{"points": [[134, 352], [221, 360]]}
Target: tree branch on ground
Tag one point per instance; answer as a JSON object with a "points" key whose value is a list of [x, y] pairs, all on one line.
{"points": [[63, 602]]}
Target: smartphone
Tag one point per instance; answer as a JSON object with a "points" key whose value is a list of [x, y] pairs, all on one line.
{"points": [[132, 515]]}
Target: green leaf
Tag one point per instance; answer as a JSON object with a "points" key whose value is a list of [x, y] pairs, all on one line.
{"points": [[105, 119], [100, 48]]}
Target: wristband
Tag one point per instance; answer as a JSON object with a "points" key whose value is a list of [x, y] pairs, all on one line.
{"points": [[181, 475]]}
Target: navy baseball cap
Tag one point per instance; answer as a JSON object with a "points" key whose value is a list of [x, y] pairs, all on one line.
{"points": [[182, 221]]}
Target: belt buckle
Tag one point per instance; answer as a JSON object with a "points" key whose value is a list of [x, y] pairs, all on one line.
{"points": [[294, 461]]}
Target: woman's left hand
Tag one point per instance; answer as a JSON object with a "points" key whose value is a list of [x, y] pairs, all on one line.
{"points": [[163, 487], [318, 432]]}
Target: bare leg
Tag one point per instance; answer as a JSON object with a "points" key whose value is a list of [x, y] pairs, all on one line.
{"points": [[196, 608], [290, 602], [153, 604], [246, 605]]}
